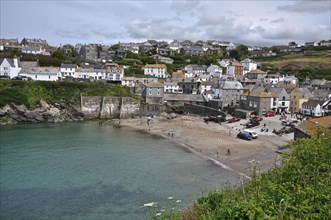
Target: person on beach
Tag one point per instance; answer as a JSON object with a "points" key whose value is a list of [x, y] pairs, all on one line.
{"points": [[229, 153]]}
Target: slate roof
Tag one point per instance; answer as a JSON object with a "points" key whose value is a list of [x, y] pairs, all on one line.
{"points": [[154, 84], [312, 126], [313, 103], [260, 94], [231, 85], [257, 71], [68, 65], [155, 66]]}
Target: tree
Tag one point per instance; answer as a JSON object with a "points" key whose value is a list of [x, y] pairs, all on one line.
{"points": [[59, 54]]}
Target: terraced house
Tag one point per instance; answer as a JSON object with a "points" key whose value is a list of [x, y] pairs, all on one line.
{"points": [[156, 70]]}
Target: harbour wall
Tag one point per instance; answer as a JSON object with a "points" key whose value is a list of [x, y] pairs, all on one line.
{"points": [[109, 107]]}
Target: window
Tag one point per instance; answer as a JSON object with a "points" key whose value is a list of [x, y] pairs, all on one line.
{"points": [[5, 68], [283, 98], [49, 76], [150, 92], [35, 76], [283, 103]]}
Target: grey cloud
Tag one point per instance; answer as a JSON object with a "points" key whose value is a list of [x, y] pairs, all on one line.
{"points": [[313, 7], [263, 19], [154, 30], [73, 34], [184, 5], [210, 20], [278, 20]]}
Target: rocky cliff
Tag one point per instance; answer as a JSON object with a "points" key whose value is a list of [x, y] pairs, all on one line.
{"points": [[12, 113]]}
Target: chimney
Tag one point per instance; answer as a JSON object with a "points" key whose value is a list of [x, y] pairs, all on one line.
{"points": [[15, 61]]}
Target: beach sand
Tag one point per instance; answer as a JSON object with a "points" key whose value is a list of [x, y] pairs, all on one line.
{"points": [[213, 141]]}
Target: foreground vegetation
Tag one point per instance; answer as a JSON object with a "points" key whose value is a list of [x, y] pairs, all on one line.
{"points": [[299, 189], [65, 93]]}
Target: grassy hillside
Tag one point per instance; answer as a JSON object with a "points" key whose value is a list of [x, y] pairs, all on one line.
{"points": [[314, 64], [30, 93], [300, 189]]}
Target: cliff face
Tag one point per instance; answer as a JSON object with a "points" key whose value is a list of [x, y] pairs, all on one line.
{"points": [[91, 107], [12, 114]]}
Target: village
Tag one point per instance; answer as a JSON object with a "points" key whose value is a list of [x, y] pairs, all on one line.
{"points": [[239, 88]]}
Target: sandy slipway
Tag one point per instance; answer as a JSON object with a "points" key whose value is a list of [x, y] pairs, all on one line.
{"points": [[213, 141]]}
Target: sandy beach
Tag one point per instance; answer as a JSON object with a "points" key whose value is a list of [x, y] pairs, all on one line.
{"points": [[213, 141]]}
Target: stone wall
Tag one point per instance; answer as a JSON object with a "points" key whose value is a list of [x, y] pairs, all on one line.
{"points": [[202, 110], [109, 107]]}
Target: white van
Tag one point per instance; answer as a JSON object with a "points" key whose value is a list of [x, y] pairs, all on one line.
{"points": [[252, 133]]}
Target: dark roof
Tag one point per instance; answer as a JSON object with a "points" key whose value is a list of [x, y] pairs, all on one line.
{"points": [[313, 103], [68, 65]]}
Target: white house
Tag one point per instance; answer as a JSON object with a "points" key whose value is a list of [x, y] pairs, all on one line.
{"points": [[68, 70], [272, 79], [44, 73], [248, 65], [129, 81], [35, 50], [206, 86], [313, 108], [172, 87], [289, 80], [214, 70], [156, 70], [9, 67], [283, 102], [175, 45], [115, 73]]}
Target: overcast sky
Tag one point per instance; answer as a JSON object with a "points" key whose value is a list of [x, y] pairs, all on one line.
{"points": [[262, 22]]}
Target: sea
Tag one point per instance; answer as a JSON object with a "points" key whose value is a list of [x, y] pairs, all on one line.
{"points": [[81, 170]]}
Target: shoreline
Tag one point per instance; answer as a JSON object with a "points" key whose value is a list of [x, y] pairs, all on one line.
{"points": [[212, 141]]}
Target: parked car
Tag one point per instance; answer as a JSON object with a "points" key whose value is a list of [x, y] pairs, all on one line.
{"points": [[234, 119], [257, 118], [26, 78], [252, 123], [252, 133], [217, 119], [269, 114], [244, 135]]}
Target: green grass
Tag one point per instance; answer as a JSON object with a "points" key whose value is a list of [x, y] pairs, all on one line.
{"points": [[30, 93]]}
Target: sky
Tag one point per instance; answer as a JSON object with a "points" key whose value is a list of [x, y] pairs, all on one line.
{"points": [[260, 23]]}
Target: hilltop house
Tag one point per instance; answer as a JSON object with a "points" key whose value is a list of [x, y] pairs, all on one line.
{"points": [[10, 44], [156, 70], [145, 47]]}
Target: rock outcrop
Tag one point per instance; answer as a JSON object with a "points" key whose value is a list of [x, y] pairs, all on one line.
{"points": [[12, 113]]}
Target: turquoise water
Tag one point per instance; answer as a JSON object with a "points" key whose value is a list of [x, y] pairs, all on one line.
{"points": [[84, 171]]}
